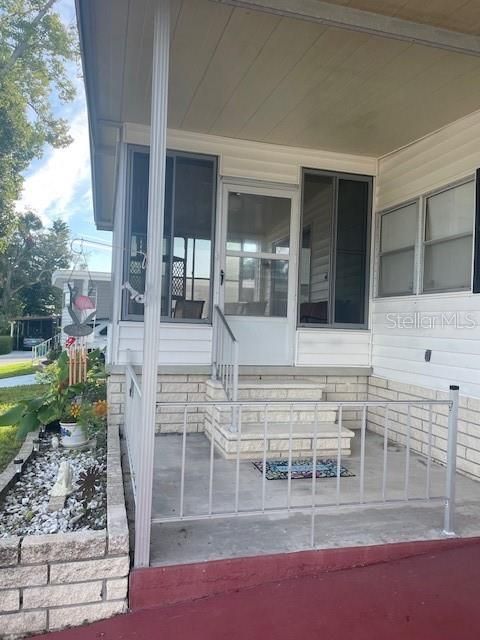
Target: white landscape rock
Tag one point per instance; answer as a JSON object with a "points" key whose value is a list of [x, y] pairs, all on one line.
{"points": [[25, 508]]}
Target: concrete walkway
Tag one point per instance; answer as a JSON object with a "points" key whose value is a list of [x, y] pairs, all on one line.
{"points": [[17, 381], [431, 597], [15, 356]]}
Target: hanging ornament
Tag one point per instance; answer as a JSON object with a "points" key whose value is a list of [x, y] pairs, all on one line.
{"points": [[80, 327]]}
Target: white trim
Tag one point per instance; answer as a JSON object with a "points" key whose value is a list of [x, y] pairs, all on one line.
{"points": [[153, 284], [352, 19], [256, 157], [117, 255], [282, 191]]}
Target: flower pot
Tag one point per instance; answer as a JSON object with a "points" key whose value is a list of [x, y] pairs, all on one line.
{"points": [[73, 435]]}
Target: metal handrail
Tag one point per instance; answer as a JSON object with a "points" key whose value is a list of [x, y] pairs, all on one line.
{"points": [[133, 399], [216, 423], [225, 323], [225, 350], [41, 350]]}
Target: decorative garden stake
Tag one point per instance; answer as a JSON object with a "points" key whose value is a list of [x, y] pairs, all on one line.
{"points": [[62, 488]]}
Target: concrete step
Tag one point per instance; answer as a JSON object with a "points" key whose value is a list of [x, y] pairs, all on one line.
{"points": [[259, 391], [290, 390], [251, 440]]}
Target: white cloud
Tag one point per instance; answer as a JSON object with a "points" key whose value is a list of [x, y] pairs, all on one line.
{"points": [[60, 182]]}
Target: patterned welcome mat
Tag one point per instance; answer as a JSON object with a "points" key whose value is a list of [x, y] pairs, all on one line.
{"points": [[278, 469]]}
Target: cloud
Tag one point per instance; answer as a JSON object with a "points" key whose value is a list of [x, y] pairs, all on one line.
{"points": [[58, 185]]}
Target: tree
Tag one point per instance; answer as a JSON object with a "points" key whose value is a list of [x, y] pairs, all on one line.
{"points": [[35, 49], [27, 265]]}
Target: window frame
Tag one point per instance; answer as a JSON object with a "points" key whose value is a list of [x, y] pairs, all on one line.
{"points": [[425, 243], [126, 316], [380, 254], [420, 242], [337, 176]]}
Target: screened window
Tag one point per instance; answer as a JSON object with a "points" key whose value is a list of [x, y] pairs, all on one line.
{"points": [[188, 234], [257, 255], [448, 239], [398, 233], [333, 271]]}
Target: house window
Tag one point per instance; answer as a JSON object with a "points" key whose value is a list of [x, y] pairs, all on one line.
{"points": [[190, 186], [398, 233], [443, 243], [333, 273], [448, 239]]}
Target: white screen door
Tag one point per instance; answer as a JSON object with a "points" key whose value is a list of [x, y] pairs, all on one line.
{"points": [[258, 281]]}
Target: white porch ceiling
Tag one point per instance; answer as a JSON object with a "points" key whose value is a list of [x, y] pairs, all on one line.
{"points": [[457, 15], [257, 76], [246, 74]]}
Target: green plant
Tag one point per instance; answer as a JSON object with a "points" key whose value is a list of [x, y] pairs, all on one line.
{"points": [[6, 344], [29, 415], [9, 440], [82, 403], [54, 353]]}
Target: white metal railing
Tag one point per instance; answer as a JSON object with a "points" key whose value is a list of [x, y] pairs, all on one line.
{"points": [[42, 350], [225, 355], [133, 416], [213, 503]]}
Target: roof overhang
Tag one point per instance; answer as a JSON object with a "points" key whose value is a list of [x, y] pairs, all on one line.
{"points": [[62, 276], [298, 73]]}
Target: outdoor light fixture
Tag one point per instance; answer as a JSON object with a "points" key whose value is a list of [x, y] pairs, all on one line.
{"points": [[36, 445], [18, 463]]}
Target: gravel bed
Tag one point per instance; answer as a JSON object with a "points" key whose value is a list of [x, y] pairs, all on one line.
{"points": [[24, 508]]}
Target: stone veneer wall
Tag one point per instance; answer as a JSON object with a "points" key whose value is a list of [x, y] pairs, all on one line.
{"points": [[468, 447], [191, 388], [53, 581]]}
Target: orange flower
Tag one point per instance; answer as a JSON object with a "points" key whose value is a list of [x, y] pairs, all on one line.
{"points": [[100, 408]]}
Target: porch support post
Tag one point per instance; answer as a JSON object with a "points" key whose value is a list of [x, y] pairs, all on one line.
{"points": [[153, 282]]}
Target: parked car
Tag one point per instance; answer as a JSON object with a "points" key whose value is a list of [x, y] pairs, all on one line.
{"points": [[29, 343]]}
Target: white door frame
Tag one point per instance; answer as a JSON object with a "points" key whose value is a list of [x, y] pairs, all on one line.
{"points": [[274, 189]]}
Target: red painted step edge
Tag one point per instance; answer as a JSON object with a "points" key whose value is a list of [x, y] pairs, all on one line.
{"points": [[162, 586]]}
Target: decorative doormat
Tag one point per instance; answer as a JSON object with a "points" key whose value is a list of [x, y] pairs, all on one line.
{"points": [[278, 469]]}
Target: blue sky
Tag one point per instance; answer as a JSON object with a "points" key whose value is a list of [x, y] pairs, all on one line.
{"points": [[59, 184]]}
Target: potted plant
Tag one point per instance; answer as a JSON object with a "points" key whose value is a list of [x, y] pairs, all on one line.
{"points": [[80, 409], [73, 427]]}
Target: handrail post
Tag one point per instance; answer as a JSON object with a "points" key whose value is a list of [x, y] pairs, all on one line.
{"points": [[235, 372], [215, 329], [449, 515]]}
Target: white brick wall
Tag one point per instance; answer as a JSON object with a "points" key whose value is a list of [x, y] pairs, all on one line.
{"points": [[191, 388], [468, 448]]}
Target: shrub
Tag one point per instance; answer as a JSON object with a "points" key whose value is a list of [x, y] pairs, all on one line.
{"points": [[6, 344]]}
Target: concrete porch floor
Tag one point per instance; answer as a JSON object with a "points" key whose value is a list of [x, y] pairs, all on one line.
{"points": [[344, 526]]}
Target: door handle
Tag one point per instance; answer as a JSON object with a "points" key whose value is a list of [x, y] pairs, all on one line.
{"points": [[222, 276]]}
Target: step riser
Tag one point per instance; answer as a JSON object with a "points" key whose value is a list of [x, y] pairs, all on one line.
{"points": [[280, 394], [224, 416], [279, 448]]}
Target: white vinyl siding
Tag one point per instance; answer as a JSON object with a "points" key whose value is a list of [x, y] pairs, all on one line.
{"points": [[446, 323], [180, 344], [334, 348]]}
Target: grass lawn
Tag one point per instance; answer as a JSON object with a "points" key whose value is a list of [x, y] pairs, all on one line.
{"points": [[9, 445], [12, 369]]}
